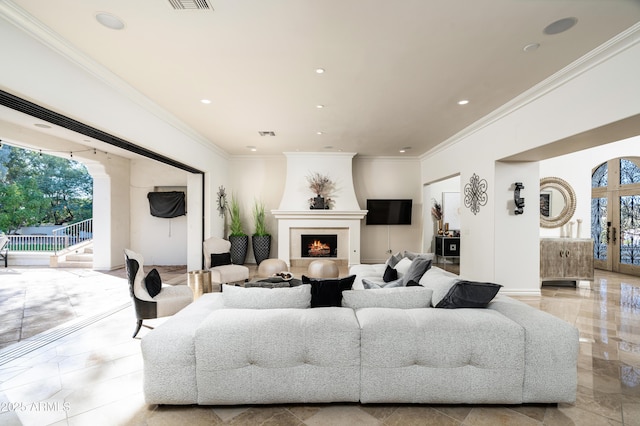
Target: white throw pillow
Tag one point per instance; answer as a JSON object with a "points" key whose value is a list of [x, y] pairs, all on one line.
{"points": [[403, 266], [439, 281], [398, 297], [267, 298]]}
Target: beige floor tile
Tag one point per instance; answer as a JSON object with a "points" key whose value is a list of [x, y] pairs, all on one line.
{"points": [[498, 416], [409, 415], [126, 411], [227, 414], [342, 415], [631, 413]]}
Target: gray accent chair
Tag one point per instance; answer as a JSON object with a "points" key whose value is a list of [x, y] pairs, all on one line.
{"points": [[171, 299], [222, 274]]}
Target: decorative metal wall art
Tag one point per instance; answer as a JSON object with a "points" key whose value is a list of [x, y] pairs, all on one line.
{"points": [[517, 199], [222, 201], [475, 193]]}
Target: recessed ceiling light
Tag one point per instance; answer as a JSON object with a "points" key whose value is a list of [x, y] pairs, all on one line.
{"points": [[405, 149], [531, 47], [319, 106], [319, 70], [560, 26], [252, 148], [110, 21], [42, 126], [463, 102], [319, 133], [205, 101]]}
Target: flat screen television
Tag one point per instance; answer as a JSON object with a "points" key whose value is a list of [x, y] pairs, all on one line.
{"points": [[389, 212]]}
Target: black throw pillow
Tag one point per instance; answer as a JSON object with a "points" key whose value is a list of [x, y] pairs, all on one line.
{"points": [[412, 283], [153, 283], [219, 259], [469, 294], [390, 274], [328, 291]]}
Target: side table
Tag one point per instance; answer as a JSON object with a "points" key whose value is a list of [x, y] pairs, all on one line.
{"points": [[199, 282]]}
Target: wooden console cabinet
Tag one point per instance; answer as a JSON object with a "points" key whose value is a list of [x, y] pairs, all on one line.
{"points": [[566, 259]]}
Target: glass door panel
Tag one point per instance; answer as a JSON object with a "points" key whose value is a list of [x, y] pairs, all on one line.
{"points": [[629, 238], [600, 232]]}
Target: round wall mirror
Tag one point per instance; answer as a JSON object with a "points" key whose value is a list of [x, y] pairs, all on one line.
{"points": [[557, 202]]}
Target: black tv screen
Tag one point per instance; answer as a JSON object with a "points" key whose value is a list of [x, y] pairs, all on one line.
{"points": [[389, 212]]}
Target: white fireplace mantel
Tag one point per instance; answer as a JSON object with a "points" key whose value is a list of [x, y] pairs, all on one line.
{"points": [[319, 219], [320, 214]]}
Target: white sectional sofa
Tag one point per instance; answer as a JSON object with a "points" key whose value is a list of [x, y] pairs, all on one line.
{"points": [[381, 346]]}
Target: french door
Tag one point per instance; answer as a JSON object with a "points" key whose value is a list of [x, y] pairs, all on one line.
{"points": [[615, 215]]}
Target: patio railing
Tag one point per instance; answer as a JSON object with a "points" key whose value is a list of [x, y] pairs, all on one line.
{"points": [[61, 239]]}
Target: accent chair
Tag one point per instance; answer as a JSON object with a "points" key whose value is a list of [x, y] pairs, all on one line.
{"points": [[168, 300]]}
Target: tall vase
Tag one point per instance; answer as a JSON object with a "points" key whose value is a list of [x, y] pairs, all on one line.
{"points": [[239, 247], [261, 247], [318, 203]]}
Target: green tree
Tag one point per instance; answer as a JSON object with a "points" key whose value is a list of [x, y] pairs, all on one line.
{"points": [[37, 189]]}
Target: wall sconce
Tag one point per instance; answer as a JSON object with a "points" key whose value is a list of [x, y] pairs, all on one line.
{"points": [[517, 199]]}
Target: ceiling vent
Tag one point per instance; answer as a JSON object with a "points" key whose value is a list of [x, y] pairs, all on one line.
{"points": [[267, 133], [190, 5]]}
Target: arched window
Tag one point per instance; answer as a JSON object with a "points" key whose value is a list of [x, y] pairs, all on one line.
{"points": [[600, 176]]}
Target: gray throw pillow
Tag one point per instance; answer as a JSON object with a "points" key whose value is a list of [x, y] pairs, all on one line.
{"points": [[411, 255], [418, 267], [469, 294], [394, 259]]}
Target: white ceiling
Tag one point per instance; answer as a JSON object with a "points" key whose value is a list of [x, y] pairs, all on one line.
{"points": [[395, 70]]}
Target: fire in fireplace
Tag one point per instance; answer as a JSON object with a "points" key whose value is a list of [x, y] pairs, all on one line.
{"points": [[319, 245]]}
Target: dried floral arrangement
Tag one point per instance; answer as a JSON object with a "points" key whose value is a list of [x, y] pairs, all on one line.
{"points": [[320, 184], [436, 210]]}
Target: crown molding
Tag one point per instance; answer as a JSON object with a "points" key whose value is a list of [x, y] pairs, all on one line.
{"points": [[18, 17], [613, 47]]}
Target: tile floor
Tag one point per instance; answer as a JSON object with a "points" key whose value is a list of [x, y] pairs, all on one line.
{"points": [[87, 369]]}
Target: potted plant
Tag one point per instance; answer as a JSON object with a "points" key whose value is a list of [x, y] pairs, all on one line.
{"points": [[261, 239], [238, 239]]}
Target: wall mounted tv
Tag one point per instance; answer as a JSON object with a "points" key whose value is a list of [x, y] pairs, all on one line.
{"points": [[389, 212]]}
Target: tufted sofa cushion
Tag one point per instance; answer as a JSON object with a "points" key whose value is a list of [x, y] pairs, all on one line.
{"points": [[278, 356], [169, 354], [440, 356]]}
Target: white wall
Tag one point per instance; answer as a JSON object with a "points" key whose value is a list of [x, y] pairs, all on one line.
{"points": [[258, 178], [579, 176], [389, 177], [264, 178], [596, 92], [161, 241]]}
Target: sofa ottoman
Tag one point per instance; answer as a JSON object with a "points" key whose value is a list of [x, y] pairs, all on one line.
{"points": [[440, 356], [269, 356]]}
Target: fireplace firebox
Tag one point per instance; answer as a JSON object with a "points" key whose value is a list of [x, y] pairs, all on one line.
{"points": [[319, 245]]}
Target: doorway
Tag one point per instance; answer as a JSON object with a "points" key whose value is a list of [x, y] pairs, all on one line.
{"points": [[615, 215]]}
